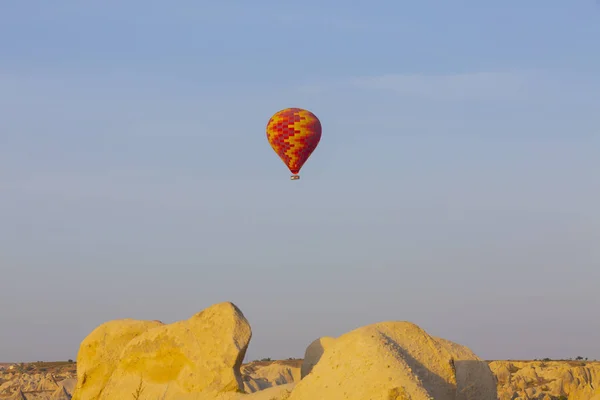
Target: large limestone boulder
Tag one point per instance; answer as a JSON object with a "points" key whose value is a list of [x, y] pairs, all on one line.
{"points": [[99, 354], [474, 378], [198, 358], [313, 354], [383, 361]]}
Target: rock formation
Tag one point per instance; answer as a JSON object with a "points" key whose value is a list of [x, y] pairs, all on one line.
{"points": [[33, 381], [200, 358], [100, 352], [196, 358], [516, 380], [547, 380], [392, 361], [262, 375]]}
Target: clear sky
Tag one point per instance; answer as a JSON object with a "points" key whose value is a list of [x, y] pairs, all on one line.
{"points": [[455, 186]]}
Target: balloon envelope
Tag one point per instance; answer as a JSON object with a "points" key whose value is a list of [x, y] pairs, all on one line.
{"points": [[294, 134]]}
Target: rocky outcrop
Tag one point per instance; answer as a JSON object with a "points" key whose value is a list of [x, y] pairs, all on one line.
{"points": [[29, 383], [388, 360], [200, 359], [547, 380], [35, 385], [196, 358], [474, 378], [100, 352]]}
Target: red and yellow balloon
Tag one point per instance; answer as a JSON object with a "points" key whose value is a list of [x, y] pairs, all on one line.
{"points": [[294, 134]]}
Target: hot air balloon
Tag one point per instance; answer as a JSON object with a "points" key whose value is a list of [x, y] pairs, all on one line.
{"points": [[294, 134]]}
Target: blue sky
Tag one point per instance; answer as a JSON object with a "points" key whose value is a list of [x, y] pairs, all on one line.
{"points": [[455, 185]]}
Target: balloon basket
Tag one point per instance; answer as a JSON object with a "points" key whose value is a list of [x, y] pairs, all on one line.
{"points": [[295, 177]]}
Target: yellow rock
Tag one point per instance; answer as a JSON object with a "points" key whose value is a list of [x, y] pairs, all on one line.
{"points": [[99, 354], [383, 361], [198, 358]]}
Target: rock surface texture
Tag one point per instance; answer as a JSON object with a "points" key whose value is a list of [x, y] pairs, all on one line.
{"points": [[550, 380], [100, 352], [260, 375]]}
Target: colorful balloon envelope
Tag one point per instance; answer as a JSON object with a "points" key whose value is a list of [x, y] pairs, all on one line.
{"points": [[294, 134]]}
